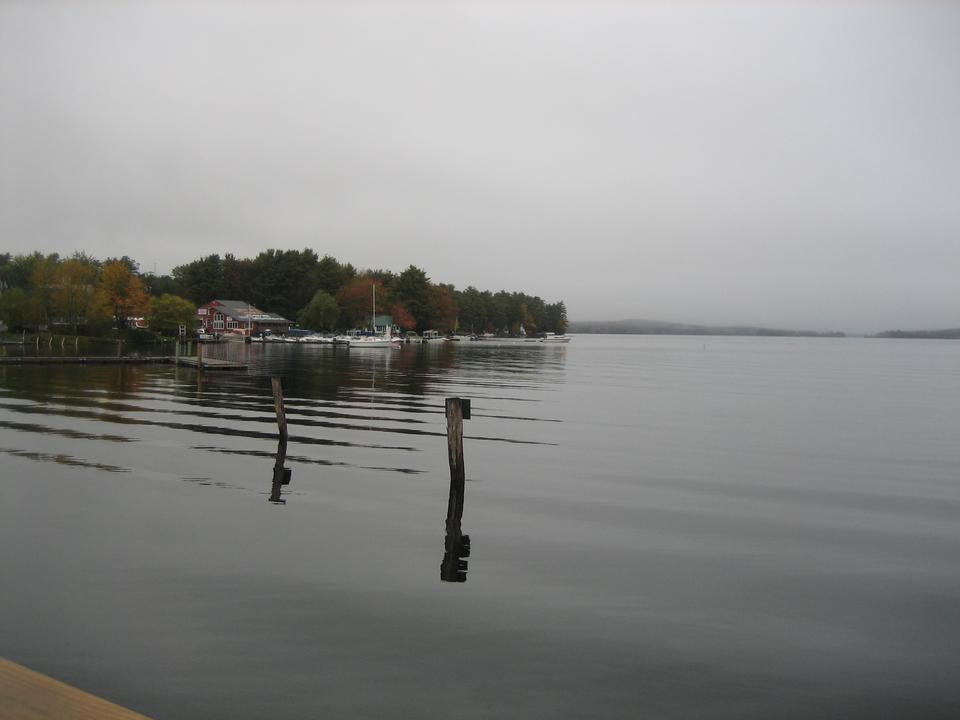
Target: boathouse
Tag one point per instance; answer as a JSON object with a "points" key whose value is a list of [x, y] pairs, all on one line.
{"points": [[236, 317]]}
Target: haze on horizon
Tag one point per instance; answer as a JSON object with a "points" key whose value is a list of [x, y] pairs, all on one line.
{"points": [[788, 164]]}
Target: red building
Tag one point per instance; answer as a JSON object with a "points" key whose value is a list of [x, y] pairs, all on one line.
{"points": [[224, 317]]}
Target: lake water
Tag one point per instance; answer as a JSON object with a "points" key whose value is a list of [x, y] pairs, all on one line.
{"points": [[663, 527]]}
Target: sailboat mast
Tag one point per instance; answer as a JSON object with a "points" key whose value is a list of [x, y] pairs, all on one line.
{"points": [[373, 319]]}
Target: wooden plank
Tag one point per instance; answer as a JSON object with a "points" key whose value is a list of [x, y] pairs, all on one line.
{"points": [[28, 695]]}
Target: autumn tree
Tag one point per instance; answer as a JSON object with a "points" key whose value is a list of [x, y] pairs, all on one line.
{"points": [[402, 317], [355, 301], [121, 292], [441, 308]]}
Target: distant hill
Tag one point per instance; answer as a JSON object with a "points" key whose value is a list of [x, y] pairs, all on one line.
{"points": [[948, 334], [657, 327]]}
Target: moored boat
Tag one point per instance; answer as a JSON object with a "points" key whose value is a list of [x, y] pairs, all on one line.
{"points": [[371, 341]]}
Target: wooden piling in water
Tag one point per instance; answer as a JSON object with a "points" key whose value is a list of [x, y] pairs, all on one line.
{"points": [[281, 475], [455, 416], [456, 544]]}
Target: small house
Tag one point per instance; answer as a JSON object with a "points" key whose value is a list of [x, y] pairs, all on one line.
{"points": [[382, 322]]}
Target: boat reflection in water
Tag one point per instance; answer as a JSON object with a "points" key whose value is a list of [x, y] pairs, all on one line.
{"points": [[456, 544]]}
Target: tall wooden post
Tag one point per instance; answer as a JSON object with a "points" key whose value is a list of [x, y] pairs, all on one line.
{"points": [[456, 544], [454, 407], [281, 475], [199, 355]]}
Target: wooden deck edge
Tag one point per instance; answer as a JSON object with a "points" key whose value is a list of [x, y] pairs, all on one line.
{"points": [[208, 364], [84, 360], [29, 695]]}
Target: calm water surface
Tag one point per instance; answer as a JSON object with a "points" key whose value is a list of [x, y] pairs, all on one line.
{"points": [[661, 527]]}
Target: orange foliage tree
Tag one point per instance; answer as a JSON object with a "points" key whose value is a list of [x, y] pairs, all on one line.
{"points": [[442, 308], [356, 301], [402, 317], [121, 293]]}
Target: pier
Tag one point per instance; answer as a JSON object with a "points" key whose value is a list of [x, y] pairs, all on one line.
{"points": [[184, 361]]}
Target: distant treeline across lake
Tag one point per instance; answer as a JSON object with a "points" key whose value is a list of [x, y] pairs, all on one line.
{"points": [[654, 327]]}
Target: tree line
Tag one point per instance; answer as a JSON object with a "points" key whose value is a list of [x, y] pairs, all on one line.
{"points": [[84, 295], [318, 292]]}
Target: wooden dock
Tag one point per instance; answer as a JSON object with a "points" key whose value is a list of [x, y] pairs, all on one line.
{"points": [[28, 695], [208, 363], [184, 361]]}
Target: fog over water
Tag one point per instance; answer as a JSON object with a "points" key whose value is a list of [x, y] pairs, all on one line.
{"points": [[780, 163]]}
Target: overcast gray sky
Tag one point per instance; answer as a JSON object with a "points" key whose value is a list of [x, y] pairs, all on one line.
{"points": [[792, 164]]}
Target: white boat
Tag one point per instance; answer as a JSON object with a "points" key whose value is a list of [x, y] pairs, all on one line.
{"points": [[554, 338], [432, 336], [371, 341]]}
